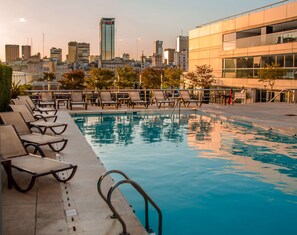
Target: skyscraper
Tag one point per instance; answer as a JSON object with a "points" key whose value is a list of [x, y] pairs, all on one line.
{"points": [[182, 43], [26, 52], [72, 52], [107, 35], [158, 47], [12, 52]]}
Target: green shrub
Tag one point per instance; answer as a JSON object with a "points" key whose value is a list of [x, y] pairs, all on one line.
{"points": [[5, 86]]}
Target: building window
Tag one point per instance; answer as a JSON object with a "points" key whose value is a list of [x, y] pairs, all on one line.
{"points": [[229, 41]]}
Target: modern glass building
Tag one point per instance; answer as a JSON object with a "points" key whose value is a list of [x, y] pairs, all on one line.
{"points": [[237, 47], [107, 38]]}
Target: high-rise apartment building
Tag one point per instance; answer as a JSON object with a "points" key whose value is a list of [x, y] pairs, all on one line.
{"points": [[169, 56], [83, 52], [158, 47], [12, 52], [107, 38], [181, 54], [72, 52], [182, 43], [237, 47], [56, 53], [26, 52]]}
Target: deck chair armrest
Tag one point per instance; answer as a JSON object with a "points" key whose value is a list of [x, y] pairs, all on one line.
{"points": [[39, 116], [37, 149]]}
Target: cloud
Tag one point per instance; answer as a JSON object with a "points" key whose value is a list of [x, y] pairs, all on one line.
{"points": [[22, 20]]}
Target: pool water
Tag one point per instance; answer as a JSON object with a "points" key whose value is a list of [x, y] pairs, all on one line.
{"points": [[206, 175]]}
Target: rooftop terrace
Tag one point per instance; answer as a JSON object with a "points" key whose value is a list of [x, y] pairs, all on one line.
{"points": [[76, 207]]}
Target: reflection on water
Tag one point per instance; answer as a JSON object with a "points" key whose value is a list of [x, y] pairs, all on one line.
{"points": [[271, 156]]}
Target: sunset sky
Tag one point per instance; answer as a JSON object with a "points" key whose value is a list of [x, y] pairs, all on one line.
{"points": [[138, 22]]}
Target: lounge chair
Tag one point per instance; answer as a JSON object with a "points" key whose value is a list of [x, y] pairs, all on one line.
{"points": [[134, 99], [159, 99], [77, 99], [47, 99], [106, 99], [186, 99], [35, 108], [37, 116], [56, 127], [27, 136], [11, 147]]}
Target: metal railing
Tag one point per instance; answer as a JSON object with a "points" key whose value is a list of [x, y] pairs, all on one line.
{"points": [[136, 186], [205, 96]]}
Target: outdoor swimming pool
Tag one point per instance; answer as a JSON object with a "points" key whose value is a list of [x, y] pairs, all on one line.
{"points": [[207, 176]]}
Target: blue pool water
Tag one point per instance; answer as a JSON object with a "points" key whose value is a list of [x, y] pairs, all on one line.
{"points": [[207, 176]]}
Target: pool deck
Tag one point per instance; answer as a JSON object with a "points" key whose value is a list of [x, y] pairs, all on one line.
{"points": [[53, 208]]}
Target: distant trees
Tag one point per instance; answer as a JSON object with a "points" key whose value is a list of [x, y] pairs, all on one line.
{"points": [[127, 77], [151, 78], [100, 78], [172, 77], [73, 80], [49, 76]]}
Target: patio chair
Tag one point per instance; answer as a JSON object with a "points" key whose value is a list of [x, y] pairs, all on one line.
{"points": [[27, 136], [37, 116], [186, 99], [159, 99], [56, 127], [47, 99], [11, 147], [35, 108], [106, 99], [77, 99], [134, 99]]}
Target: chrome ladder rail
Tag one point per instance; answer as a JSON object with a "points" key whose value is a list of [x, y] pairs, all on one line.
{"points": [[136, 186]]}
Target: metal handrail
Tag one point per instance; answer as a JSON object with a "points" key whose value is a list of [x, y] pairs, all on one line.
{"points": [[103, 176], [146, 199], [139, 189]]}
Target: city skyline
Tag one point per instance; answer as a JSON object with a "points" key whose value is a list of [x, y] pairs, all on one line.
{"points": [[138, 24]]}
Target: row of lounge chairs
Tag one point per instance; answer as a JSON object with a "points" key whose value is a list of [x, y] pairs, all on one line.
{"points": [[105, 98], [17, 136]]}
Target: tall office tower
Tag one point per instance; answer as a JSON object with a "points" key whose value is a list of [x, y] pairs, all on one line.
{"points": [[12, 52], [26, 52], [56, 53], [182, 43], [107, 35], [158, 47], [83, 52], [169, 56], [72, 52]]}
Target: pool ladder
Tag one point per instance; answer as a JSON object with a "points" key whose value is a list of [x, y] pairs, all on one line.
{"points": [[136, 186]]}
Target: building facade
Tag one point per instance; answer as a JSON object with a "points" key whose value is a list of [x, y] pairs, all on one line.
{"points": [[56, 53], [182, 43], [237, 47], [12, 53], [83, 53], [72, 52], [26, 52], [169, 56], [107, 38]]}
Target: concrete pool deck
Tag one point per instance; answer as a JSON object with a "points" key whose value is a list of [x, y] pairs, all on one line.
{"points": [[52, 208]]}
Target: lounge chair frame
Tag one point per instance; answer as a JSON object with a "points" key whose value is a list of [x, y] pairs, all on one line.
{"points": [[22, 152], [159, 99], [134, 99], [41, 125], [77, 99], [105, 99], [26, 135], [186, 99]]}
